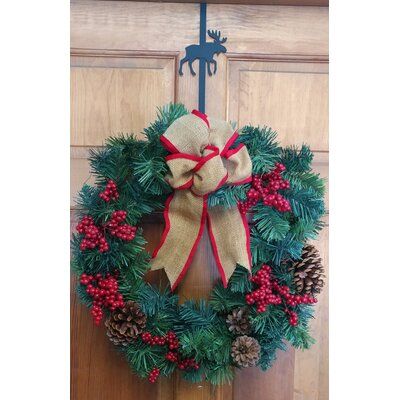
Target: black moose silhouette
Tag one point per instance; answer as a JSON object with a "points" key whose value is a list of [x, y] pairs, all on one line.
{"points": [[204, 51]]}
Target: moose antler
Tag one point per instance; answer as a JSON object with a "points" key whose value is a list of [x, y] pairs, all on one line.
{"points": [[216, 35]]}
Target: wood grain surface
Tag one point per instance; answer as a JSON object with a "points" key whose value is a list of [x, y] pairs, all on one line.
{"points": [[290, 97], [124, 59], [323, 3], [104, 98]]}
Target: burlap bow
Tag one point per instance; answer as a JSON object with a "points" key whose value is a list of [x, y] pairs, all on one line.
{"points": [[201, 162]]}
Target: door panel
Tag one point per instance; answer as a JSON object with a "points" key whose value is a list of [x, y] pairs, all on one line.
{"points": [[124, 58], [149, 30], [290, 97], [117, 94]]}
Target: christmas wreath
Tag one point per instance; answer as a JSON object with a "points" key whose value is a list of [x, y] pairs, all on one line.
{"points": [[201, 173]]}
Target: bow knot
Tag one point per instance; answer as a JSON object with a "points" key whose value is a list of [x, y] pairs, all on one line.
{"points": [[201, 161], [201, 175]]}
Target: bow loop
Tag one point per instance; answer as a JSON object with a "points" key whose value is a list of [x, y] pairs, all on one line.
{"points": [[209, 174]]}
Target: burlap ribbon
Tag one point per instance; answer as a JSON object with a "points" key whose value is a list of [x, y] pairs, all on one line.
{"points": [[201, 161]]}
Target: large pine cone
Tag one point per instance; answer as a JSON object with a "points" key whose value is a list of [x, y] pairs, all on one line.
{"points": [[126, 324], [238, 321], [308, 272], [245, 351]]}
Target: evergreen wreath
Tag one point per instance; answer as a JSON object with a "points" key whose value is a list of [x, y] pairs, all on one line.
{"points": [[242, 324]]}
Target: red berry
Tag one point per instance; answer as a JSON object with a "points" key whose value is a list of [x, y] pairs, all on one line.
{"points": [[268, 193], [268, 291], [100, 296], [153, 375], [110, 192]]}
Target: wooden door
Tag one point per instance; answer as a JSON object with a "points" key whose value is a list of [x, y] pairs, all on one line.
{"points": [[124, 59]]}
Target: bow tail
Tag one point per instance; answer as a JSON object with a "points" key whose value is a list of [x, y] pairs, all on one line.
{"points": [[230, 239], [185, 218]]}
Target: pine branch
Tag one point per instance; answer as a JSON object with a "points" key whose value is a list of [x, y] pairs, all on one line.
{"points": [[274, 251], [142, 357], [262, 147], [83, 296], [269, 324], [210, 346], [239, 281], [153, 300], [194, 376], [305, 181], [194, 315], [297, 160], [305, 204], [220, 374], [268, 351], [165, 117], [150, 174], [270, 223], [304, 231], [228, 196], [224, 300], [299, 335], [112, 162], [120, 255]]}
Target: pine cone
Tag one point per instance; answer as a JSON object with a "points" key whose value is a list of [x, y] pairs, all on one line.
{"points": [[124, 325], [308, 272], [238, 321], [245, 351]]}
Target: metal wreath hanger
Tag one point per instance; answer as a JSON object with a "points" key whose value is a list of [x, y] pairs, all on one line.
{"points": [[204, 52]]}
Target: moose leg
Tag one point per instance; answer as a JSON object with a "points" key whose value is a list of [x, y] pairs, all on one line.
{"points": [[209, 68], [191, 67], [181, 65], [215, 66]]}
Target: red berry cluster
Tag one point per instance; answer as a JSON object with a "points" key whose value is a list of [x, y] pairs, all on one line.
{"points": [[263, 295], [270, 292], [172, 356], [151, 340], [188, 363], [154, 374], [293, 317], [265, 188], [183, 364], [125, 232], [104, 292], [110, 192], [171, 341], [93, 235]]}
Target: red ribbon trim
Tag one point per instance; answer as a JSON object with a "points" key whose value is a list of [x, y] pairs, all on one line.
{"points": [[215, 251], [229, 143], [204, 117], [186, 185], [190, 157], [193, 250], [232, 152], [247, 230], [167, 225], [168, 145], [208, 157]]}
